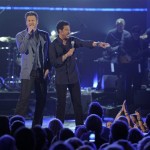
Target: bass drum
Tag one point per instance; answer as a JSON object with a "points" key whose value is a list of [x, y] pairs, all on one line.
{"points": [[12, 83]]}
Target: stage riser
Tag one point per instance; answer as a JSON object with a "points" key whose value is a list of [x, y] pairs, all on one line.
{"points": [[141, 99], [8, 103]]}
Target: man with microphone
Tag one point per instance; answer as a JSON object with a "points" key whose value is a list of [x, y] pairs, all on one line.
{"points": [[62, 57], [33, 45]]}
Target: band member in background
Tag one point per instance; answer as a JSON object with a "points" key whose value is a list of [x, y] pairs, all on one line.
{"points": [[146, 63], [115, 37], [62, 57], [132, 62], [33, 44]]}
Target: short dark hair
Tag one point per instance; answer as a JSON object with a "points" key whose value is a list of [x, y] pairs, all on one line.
{"points": [[95, 108], [60, 25], [31, 13], [119, 127]]}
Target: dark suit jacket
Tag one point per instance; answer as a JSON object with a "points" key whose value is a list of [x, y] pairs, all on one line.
{"points": [[67, 71]]}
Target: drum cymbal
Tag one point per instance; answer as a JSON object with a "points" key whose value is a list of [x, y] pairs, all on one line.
{"points": [[7, 39]]}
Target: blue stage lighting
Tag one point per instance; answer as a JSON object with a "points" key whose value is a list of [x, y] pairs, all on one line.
{"points": [[74, 9]]}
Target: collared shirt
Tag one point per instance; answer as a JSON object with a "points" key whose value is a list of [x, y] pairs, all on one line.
{"points": [[37, 63], [67, 71]]}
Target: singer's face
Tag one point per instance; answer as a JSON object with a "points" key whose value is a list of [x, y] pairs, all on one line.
{"points": [[31, 22], [64, 33]]}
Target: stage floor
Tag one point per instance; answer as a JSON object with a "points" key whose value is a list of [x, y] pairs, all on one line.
{"points": [[69, 123]]}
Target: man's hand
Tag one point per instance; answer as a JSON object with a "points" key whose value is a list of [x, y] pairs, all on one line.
{"points": [[46, 73], [103, 44], [31, 29], [68, 54]]}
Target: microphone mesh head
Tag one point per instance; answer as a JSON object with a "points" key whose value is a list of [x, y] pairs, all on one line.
{"points": [[72, 44]]}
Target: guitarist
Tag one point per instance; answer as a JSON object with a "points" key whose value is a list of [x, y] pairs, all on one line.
{"points": [[115, 37], [132, 55], [133, 47]]}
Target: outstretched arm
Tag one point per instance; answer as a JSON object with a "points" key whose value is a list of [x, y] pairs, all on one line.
{"points": [[101, 44], [140, 121], [126, 112], [120, 112]]}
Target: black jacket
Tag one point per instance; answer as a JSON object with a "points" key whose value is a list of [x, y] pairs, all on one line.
{"points": [[67, 71]]}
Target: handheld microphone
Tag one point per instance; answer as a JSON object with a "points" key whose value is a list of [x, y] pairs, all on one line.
{"points": [[32, 31], [72, 44]]}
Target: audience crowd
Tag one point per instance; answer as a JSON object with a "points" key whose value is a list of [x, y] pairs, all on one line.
{"points": [[125, 132]]}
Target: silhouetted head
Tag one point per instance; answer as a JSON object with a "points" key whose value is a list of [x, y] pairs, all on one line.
{"points": [[135, 135], [7, 142], [120, 24], [25, 139], [65, 133], [95, 108], [118, 130], [94, 123], [16, 117], [55, 125]]}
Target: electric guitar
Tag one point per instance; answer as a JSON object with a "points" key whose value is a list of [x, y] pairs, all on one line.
{"points": [[126, 58]]}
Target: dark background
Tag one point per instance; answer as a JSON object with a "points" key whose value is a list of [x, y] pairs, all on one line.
{"points": [[92, 25]]}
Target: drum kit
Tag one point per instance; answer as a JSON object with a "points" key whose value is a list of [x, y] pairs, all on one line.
{"points": [[10, 61]]}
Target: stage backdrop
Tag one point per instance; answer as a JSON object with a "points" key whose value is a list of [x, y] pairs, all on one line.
{"points": [[92, 25]]}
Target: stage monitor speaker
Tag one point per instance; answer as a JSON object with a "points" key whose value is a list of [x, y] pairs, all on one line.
{"points": [[142, 98], [109, 82], [142, 101]]}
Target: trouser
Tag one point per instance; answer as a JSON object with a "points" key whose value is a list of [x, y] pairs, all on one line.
{"points": [[74, 89], [36, 80]]}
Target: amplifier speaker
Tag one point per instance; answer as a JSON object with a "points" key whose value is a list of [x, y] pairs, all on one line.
{"points": [[142, 98], [109, 82], [142, 101]]}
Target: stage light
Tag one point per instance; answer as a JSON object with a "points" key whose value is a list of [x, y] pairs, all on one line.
{"points": [[53, 35], [74, 9], [95, 81]]}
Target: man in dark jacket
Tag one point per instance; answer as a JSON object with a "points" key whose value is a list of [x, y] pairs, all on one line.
{"points": [[63, 59]]}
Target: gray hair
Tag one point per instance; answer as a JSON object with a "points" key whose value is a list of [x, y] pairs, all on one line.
{"points": [[120, 21]]}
